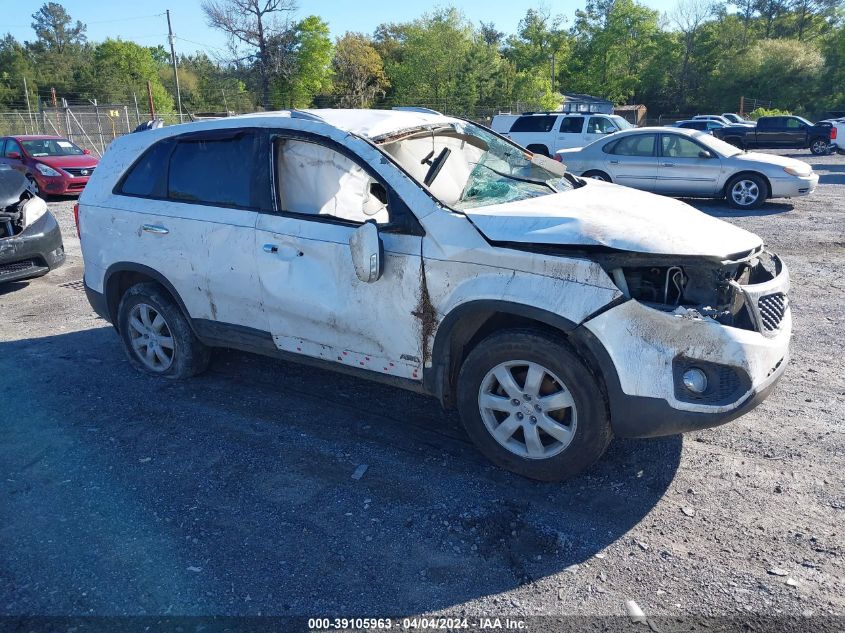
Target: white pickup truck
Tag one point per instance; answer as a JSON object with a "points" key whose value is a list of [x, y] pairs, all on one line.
{"points": [[837, 136], [547, 132]]}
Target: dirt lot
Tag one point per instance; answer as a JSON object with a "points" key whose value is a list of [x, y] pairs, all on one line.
{"points": [[233, 493]]}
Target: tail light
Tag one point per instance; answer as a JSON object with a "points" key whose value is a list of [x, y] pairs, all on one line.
{"points": [[833, 132], [76, 219]]}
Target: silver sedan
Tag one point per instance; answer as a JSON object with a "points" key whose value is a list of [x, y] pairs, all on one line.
{"points": [[690, 163]]}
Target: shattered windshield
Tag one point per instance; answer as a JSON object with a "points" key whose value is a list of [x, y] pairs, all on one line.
{"points": [[465, 166]]}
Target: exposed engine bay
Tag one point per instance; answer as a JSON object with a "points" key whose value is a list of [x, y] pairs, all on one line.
{"points": [[19, 206], [697, 288]]}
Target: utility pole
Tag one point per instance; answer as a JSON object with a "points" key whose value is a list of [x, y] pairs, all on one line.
{"points": [[28, 108], [175, 72], [150, 99]]}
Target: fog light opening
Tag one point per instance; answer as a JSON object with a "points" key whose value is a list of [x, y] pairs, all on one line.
{"points": [[695, 380]]}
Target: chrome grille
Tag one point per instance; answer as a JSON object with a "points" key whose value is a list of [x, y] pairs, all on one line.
{"points": [[772, 309], [77, 172]]}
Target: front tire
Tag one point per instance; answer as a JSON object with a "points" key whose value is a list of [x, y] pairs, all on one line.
{"points": [[156, 335], [532, 406], [746, 191]]}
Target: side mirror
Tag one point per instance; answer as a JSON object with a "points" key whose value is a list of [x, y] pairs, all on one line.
{"points": [[86, 151], [367, 252], [705, 154], [14, 155]]}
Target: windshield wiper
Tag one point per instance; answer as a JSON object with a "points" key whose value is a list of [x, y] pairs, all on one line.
{"points": [[518, 178]]}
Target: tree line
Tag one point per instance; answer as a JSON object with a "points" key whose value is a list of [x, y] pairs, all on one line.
{"points": [[700, 57]]}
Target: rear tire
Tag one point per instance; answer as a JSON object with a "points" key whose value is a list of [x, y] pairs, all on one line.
{"points": [[819, 147], [157, 337], [746, 191], [596, 174], [532, 406]]}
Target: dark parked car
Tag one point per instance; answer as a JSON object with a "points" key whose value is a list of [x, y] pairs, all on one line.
{"points": [[54, 165], [704, 125], [30, 239], [779, 132]]}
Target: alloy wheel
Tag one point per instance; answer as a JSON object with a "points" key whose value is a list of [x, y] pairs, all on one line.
{"points": [[527, 409], [819, 147], [151, 338], [745, 192]]}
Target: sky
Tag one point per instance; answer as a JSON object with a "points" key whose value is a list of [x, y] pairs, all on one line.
{"points": [[145, 23]]}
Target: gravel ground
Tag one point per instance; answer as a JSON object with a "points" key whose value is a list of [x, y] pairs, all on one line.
{"points": [[233, 493]]}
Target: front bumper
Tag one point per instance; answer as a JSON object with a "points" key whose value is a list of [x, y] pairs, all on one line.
{"points": [[640, 349], [794, 186], [63, 185], [32, 253]]}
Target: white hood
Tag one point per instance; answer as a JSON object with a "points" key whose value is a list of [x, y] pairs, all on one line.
{"points": [[604, 214]]}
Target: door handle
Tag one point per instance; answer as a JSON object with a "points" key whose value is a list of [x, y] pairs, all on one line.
{"points": [[667, 164], [614, 162], [155, 229], [283, 252]]}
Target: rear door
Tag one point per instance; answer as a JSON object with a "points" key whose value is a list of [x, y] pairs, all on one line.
{"points": [[314, 302], [771, 131], [632, 161], [684, 169], [187, 209], [570, 132]]}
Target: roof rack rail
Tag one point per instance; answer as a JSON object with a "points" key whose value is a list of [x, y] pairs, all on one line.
{"points": [[301, 114], [416, 109]]}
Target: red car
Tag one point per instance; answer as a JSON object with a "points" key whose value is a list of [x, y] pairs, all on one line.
{"points": [[53, 164]]}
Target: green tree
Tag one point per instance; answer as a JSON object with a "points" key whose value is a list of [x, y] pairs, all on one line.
{"points": [[358, 71], [304, 69], [55, 28], [121, 68]]}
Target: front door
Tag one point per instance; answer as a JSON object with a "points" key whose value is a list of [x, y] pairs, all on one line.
{"points": [[314, 303], [684, 170], [632, 161]]}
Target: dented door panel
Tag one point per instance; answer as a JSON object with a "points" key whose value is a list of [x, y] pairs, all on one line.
{"points": [[315, 304]]}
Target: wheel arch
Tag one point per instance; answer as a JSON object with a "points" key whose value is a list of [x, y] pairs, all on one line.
{"points": [[121, 276], [748, 172], [539, 148], [469, 323]]}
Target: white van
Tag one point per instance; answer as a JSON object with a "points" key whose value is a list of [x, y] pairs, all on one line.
{"points": [[547, 132]]}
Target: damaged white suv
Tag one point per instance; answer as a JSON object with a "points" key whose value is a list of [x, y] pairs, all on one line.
{"points": [[429, 252]]}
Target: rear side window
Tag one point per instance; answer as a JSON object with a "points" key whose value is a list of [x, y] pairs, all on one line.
{"points": [[771, 122], [534, 123], [572, 125], [634, 145], [217, 172], [146, 177]]}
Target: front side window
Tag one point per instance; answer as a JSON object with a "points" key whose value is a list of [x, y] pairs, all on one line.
{"points": [[465, 166], [534, 123], [675, 146], [12, 147], [216, 172], [572, 125], [600, 125], [794, 124], [313, 179], [634, 145], [51, 147]]}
